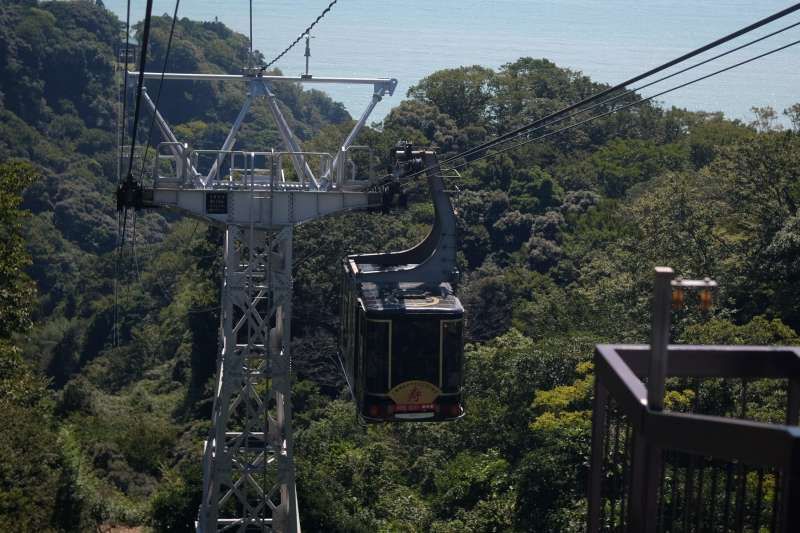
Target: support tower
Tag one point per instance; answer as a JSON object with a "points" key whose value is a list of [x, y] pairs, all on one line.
{"points": [[248, 468]]}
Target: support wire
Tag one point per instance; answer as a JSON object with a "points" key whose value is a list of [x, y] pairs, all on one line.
{"points": [[160, 88], [633, 91], [631, 81], [626, 106], [140, 84], [551, 118], [299, 37]]}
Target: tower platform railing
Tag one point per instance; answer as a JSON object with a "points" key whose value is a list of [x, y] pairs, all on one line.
{"points": [[723, 454], [175, 164]]}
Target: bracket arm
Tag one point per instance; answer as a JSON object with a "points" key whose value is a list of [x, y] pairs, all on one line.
{"points": [[351, 137], [300, 165]]}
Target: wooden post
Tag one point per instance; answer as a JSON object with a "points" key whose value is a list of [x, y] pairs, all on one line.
{"points": [[659, 338], [595, 492], [790, 497], [790, 486], [646, 465]]}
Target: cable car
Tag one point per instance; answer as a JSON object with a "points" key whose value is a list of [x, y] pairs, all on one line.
{"points": [[401, 323]]}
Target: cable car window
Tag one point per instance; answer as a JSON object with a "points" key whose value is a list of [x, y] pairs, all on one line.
{"points": [[415, 351], [452, 354], [350, 328], [358, 350], [377, 352], [343, 309]]}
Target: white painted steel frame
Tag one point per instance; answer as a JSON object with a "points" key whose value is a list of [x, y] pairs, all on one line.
{"points": [[259, 85], [269, 210], [248, 468], [388, 85]]}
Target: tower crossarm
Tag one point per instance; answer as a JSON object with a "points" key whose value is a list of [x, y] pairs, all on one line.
{"points": [[385, 85], [260, 85], [266, 210]]}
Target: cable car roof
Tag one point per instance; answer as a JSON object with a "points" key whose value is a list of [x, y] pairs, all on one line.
{"points": [[409, 298]]}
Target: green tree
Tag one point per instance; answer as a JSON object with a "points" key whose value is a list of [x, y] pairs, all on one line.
{"points": [[793, 112], [766, 119], [439, 129], [622, 164], [33, 473], [174, 504], [709, 133], [528, 89], [16, 289], [462, 93]]}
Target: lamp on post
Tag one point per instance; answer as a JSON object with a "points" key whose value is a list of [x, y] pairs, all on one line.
{"points": [[669, 294]]}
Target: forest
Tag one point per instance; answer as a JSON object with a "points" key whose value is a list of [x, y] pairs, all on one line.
{"points": [[107, 354]]}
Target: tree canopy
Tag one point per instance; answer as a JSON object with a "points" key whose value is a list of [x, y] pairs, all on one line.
{"points": [[107, 357]]}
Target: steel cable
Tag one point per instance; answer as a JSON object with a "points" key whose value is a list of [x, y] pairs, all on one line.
{"points": [[129, 174], [650, 84], [635, 79], [140, 84], [299, 37], [160, 89], [125, 89], [597, 96], [626, 106]]}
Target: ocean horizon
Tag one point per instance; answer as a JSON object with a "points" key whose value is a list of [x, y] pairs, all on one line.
{"points": [[609, 41]]}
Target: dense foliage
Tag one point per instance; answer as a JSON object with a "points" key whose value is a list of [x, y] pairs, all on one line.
{"points": [[107, 357]]}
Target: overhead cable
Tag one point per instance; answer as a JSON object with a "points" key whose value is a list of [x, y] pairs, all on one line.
{"points": [[142, 66], [299, 37], [626, 106], [125, 88], [613, 99], [555, 116], [160, 88], [122, 123], [635, 79]]}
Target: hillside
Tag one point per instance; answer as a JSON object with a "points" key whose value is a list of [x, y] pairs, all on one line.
{"points": [[107, 356]]}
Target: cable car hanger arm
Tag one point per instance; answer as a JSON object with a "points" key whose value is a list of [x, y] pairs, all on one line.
{"points": [[433, 259]]}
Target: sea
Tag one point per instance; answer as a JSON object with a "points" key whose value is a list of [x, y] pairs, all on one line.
{"points": [[608, 40]]}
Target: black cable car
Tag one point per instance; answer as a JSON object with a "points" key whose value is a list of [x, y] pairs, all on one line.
{"points": [[402, 325]]}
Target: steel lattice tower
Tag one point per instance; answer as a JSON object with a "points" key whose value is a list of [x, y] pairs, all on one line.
{"points": [[248, 467], [248, 470]]}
